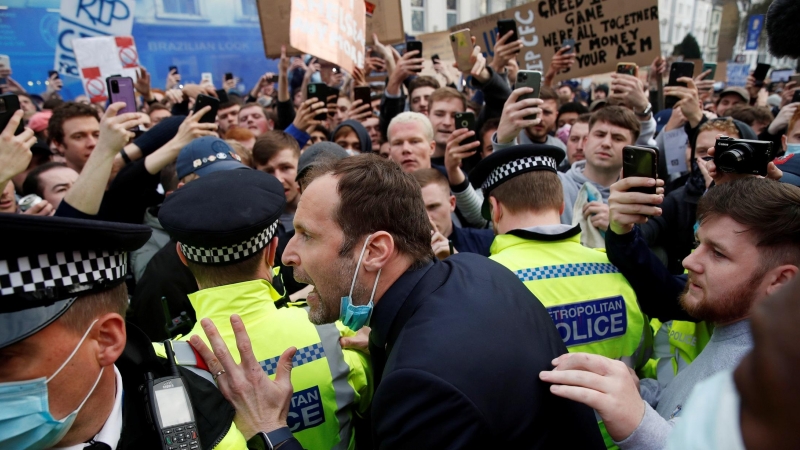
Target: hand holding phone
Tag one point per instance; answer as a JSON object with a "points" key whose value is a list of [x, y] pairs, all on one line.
{"points": [[640, 162], [461, 42], [121, 89], [760, 74], [680, 69], [466, 120], [320, 92], [505, 26], [531, 79], [412, 46], [9, 104], [203, 101]]}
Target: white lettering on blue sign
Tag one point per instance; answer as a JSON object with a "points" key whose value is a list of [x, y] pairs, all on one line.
{"points": [[591, 321], [306, 410]]}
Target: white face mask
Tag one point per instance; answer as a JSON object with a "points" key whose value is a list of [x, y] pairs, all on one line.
{"points": [[710, 419], [792, 149]]}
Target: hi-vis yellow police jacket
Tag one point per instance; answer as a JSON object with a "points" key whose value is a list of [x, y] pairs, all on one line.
{"points": [[330, 384], [591, 303]]}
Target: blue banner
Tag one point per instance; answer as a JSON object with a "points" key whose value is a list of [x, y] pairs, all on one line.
{"points": [[226, 44], [754, 27]]}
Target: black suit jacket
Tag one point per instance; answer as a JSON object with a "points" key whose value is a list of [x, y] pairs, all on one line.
{"points": [[465, 341]]}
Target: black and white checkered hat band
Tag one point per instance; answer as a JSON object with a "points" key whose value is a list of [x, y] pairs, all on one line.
{"points": [[52, 276], [518, 166], [221, 255]]}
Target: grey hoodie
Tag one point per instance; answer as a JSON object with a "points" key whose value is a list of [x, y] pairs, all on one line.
{"points": [[571, 183]]}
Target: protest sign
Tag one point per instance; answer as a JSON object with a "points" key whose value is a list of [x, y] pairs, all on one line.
{"points": [[737, 74], [84, 19], [437, 44], [333, 31], [605, 33], [100, 57], [386, 20], [675, 143]]}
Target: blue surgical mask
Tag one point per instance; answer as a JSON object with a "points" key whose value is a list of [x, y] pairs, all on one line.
{"points": [[25, 419], [792, 149], [356, 316]]}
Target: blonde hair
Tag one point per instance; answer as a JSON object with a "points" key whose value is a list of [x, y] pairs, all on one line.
{"points": [[413, 117]]}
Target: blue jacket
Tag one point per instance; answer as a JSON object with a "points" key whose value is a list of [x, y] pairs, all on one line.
{"points": [[472, 240], [457, 347], [657, 290]]}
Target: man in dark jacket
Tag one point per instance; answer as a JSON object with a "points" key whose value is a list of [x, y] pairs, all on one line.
{"points": [[436, 373]]}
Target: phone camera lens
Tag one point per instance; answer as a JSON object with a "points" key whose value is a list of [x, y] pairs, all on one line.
{"points": [[523, 76], [115, 86]]}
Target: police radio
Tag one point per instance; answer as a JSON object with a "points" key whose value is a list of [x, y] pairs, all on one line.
{"points": [[170, 409]]}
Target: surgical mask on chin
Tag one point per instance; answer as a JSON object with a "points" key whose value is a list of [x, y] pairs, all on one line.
{"points": [[792, 149], [25, 419], [356, 316]]}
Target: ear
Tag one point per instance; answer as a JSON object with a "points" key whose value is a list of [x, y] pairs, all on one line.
{"points": [[497, 212], [180, 254], [561, 210], [180, 184], [780, 276], [452, 203], [379, 250], [59, 148], [433, 147], [109, 333], [783, 142], [272, 249]]}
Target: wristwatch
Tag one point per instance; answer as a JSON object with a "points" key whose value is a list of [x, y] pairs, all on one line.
{"points": [[646, 111], [268, 441]]}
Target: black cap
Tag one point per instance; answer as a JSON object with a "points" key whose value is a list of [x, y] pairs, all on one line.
{"points": [[321, 151], [47, 262], [508, 163], [224, 217]]}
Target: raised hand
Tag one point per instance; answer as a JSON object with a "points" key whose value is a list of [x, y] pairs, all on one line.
{"points": [[260, 403]]}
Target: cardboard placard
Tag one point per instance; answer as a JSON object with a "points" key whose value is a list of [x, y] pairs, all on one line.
{"points": [[100, 57], [83, 19], [275, 15], [437, 44], [605, 33], [333, 31]]}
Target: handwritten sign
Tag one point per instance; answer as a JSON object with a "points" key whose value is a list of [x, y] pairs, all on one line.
{"points": [[89, 18], [386, 20], [100, 57], [605, 33], [333, 31]]}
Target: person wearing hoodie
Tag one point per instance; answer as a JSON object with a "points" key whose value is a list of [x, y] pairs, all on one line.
{"points": [[610, 130], [353, 137]]}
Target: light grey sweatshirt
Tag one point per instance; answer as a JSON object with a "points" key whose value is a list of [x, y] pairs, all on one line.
{"points": [[726, 348], [571, 183]]}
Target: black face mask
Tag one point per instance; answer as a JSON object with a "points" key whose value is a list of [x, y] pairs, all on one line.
{"points": [[696, 184]]}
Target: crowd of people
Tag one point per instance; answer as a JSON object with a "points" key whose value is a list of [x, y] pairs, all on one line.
{"points": [[328, 273]]}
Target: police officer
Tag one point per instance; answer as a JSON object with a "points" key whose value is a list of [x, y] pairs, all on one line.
{"points": [[225, 224], [591, 303], [71, 367]]}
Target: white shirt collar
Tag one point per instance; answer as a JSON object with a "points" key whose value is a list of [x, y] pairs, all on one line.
{"points": [[112, 429]]}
